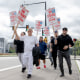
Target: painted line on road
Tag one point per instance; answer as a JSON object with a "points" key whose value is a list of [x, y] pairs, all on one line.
{"points": [[9, 68], [78, 63]]}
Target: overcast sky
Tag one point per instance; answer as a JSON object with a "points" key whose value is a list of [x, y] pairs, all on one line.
{"points": [[67, 10]]}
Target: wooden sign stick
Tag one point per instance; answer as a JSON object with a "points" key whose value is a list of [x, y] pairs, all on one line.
{"points": [[37, 33], [53, 28]]}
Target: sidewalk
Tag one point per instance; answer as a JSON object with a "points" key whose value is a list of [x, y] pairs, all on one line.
{"points": [[43, 74]]}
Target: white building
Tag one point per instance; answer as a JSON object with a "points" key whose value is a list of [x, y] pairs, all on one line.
{"points": [[3, 45]]}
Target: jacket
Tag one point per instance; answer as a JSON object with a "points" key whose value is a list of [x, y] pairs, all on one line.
{"points": [[43, 47], [64, 40], [36, 51]]}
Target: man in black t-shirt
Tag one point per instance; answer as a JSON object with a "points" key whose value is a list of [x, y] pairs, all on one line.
{"points": [[54, 48], [64, 41]]}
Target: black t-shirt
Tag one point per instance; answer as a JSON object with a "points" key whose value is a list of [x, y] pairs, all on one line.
{"points": [[54, 47], [63, 41], [19, 46]]}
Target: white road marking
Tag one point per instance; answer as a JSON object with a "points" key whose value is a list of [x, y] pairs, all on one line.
{"points": [[9, 68], [78, 63], [7, 58]]}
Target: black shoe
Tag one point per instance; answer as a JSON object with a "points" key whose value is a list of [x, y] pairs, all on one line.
{"points": [[23, 69], [29, 76], [62, 75], [70, 71]]}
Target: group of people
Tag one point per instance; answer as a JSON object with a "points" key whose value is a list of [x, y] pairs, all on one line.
{"points": [[31, 51]]}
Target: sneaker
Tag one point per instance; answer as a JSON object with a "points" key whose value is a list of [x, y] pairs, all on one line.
{"points": [[38, 67], [23, 69], [70, 71], [44, 66], [62, 75], [29, 76]]}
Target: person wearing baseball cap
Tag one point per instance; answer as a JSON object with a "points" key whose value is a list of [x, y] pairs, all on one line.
{"points": [[64, 42]]}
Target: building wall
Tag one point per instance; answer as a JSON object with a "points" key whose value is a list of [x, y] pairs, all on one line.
{"points": [[3, 44]]}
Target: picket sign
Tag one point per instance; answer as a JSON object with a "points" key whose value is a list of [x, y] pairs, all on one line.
{"points": [[38, 25], [57, 25], [22, 14], [46, 31], [51, 15], [13, 18]]}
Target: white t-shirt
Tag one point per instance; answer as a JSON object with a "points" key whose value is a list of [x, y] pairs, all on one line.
{"points": [[29, 43]]}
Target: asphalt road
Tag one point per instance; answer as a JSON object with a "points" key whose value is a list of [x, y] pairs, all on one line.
{"points": [[10, 69]]}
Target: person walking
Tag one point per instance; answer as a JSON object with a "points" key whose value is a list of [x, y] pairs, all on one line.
{"points": [[64, 42], [54, 48], [20, 50], [43, 48], [50, 53], [29, 43], [36, 52]]}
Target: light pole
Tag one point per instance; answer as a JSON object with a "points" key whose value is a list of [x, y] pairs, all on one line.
{"points": [[36, 4]]}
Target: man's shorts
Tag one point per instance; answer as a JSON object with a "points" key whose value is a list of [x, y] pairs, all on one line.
{"points": [[42, 57]]}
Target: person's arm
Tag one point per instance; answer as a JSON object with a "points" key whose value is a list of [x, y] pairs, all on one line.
{"points": [[71, 42], [15, 32], [50, 47]]}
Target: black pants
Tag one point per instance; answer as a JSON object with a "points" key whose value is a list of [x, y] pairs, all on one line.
{"points": [[54, 55], [36, 60], [66, 55]]}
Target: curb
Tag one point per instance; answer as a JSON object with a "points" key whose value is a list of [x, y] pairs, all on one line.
{"points": [[78, 64]]}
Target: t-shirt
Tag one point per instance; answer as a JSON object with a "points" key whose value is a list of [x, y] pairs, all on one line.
{"points": [[19, 46], [29, 43], [54, 47], [63, 41]]}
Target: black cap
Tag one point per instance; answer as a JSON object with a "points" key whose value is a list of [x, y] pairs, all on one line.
{"points": [[65, 29]]}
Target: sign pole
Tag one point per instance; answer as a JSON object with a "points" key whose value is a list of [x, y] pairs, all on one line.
{"points": [[13, 33], [37, 33]]}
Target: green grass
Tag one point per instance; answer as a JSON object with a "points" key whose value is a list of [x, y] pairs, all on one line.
{"points": [[8, 55]]}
